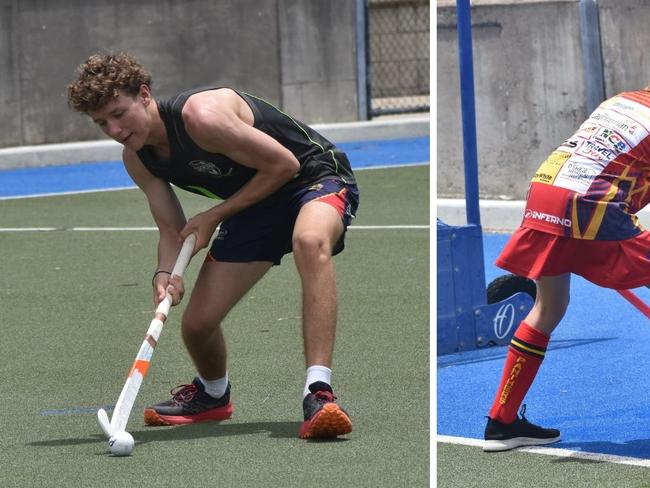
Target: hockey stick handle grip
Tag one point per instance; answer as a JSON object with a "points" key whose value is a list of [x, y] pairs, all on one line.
{"points": [[183, 259], [184, 255]]}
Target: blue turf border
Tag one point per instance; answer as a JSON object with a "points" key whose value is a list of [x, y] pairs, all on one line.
{"points": [[592, 385], [111, 174]]}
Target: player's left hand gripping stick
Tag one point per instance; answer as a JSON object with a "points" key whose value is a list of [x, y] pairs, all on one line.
{"points": [[141, 364]]}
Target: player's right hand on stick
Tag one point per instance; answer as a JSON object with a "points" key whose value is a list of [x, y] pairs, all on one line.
{"points": [[164, 283]]}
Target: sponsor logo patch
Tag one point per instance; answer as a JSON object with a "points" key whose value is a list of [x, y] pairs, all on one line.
{"points": [[548, 170], [553, 219], [206, 167], [504, 320], [221, 235]]}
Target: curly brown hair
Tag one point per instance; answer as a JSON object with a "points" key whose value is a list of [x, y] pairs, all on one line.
{"points": [[102, 77]]}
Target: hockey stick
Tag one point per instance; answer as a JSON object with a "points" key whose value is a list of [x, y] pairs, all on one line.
{"points": [[636, 301], [141, 364]]}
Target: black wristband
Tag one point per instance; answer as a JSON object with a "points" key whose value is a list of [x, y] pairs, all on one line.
{"points": [[153, 278]]}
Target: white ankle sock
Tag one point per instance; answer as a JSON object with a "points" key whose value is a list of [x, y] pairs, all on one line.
{"points": [[215, 388], [317, 373]]}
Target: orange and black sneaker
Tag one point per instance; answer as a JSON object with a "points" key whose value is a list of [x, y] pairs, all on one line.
{"points": [[323, 418], [189, 404]]}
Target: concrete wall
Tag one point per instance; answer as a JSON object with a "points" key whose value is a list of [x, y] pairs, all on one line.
{"points": [[318, 59], [529, 82], [625, 39], [299, 54]]}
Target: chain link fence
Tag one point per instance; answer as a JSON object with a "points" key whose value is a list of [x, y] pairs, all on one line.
{"points": [[398, 40]]}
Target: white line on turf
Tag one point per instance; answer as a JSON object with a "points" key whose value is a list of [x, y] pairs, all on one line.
{"points": [[390, 166], [61, 193], [127, 229], [28, 229], [554, 451], [110, 229], [377, 227]]}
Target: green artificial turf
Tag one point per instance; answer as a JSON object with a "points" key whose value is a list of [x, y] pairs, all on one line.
{"points": [[74, 307]]}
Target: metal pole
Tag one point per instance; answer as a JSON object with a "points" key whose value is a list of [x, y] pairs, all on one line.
{"points": [[464, 20], [592, 60], [362, 58]]}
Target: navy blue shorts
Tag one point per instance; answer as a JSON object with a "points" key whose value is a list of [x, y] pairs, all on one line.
{"points": [[264, 231]]}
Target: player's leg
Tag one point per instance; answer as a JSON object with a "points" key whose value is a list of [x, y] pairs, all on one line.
{"points": [[551, 303], [318, 228], [218, 288], [525, 355]]}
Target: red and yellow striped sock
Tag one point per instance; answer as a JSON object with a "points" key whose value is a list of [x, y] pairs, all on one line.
{"points": [[525, 355]]}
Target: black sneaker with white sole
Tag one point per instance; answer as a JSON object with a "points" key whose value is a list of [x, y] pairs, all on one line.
{"points": [[502, 437]]}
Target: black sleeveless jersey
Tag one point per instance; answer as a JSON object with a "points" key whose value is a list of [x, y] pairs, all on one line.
{"points": [[217, 176]]}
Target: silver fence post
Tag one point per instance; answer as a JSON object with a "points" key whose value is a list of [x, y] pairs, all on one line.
{"points": [[592, 60], [362, 58]]}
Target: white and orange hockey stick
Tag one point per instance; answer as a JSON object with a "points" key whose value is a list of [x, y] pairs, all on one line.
{"points": [[141, 364]]}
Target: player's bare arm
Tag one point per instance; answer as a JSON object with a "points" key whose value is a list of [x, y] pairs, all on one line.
{"points": [[170, 219], [219, 121]]}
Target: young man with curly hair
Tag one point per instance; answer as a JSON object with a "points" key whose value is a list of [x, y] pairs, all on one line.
{"points": [[580, 217], [284, 187]]}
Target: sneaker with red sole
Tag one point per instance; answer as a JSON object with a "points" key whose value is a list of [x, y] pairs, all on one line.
{"points": [[323, 417], [189, 404]]}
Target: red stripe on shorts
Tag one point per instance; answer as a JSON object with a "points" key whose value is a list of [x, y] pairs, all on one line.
{"points": [[336, 200]]}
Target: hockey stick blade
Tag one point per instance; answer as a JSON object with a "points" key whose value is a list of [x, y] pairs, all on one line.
{"points": [[104, 423]]}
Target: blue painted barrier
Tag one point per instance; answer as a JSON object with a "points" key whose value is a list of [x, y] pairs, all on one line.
{"points": [[465, 320]]}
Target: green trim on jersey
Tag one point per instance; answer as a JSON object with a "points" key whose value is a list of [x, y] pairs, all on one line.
{"points": [[299, 127], [202, 191]]}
